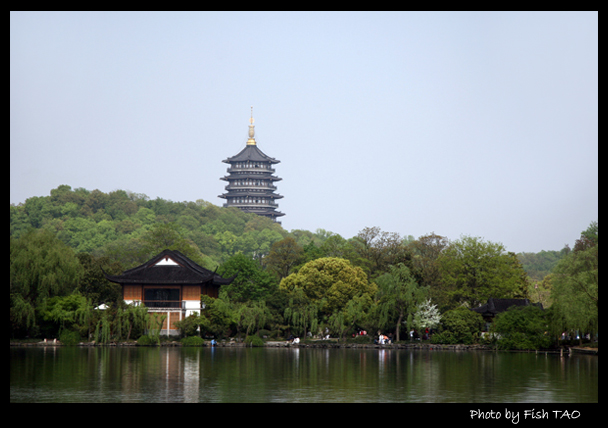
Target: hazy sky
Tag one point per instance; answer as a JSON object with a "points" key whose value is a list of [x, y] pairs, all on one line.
{"points": [[458, 123]]}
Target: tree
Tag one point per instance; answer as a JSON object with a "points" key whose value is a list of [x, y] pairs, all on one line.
{"points": [[398, 296], [522, 327], [427, 316], [473, 270], [301, 314], [41, 267], [333, 280], [71, 312], [460, 325], [284, 256], [220, 316], [251, 282], [426, 251], [169, 236], [252, 316], [382, 249], [355, 314], [133, 318], [94, 284], [575, 284]]}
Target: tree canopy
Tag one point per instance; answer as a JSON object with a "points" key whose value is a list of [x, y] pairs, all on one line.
{"points": [[296, 282], [474, 270], [332, 280]]}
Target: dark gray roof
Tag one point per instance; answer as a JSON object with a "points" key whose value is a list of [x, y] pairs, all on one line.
{"points": [[246, 175], [496, 306], [253, 194], [251, 153], [186, 272]]}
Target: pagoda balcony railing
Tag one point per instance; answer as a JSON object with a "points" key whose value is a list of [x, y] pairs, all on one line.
{"points": [[250, 168], [251, 205], [249, 186]]}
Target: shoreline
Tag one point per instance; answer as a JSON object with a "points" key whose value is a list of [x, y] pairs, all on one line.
{"points": [[323, 345]]}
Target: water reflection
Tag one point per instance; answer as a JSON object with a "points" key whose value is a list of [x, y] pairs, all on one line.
{"points": [[71, 374]]}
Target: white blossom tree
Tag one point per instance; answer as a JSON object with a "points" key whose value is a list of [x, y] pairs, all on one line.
{"points": [[427, 315]]}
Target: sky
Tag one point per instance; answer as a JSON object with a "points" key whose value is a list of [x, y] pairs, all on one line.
{"points": [[479, 124]]}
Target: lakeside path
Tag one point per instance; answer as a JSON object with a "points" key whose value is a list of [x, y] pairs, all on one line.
{"points": [[326, 344]]}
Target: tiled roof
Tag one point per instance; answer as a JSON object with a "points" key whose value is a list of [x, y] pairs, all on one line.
{"points": [[181, 270], [496, 306], [251, 153]]}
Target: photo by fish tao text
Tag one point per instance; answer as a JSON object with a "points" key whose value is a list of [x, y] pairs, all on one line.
{"points": [[514, 416]]}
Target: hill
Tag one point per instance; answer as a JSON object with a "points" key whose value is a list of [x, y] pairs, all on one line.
{"points": [[119, 222]]}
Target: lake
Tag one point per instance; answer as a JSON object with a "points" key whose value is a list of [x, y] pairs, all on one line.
{"points": [[266, 375]]}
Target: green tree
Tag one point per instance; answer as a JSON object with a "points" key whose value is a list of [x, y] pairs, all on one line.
{"points": [[66, 312], [284, 256], [522, 327], [460, 325], [301, 314], [133, 319], [575, 284], [473, 270], [333, 280], [378, 250], [41, 267], [220, 315], [426, 251], [252, 316], [251, 282], [94, 284], [192, 325], [398, 297], [169, 237], [354, 314]]}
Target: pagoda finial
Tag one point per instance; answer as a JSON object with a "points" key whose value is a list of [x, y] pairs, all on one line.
{"points": [[251, 140]]}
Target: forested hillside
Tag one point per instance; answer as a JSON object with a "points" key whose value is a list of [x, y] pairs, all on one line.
{"points": [[299, 281], [118, 224]]}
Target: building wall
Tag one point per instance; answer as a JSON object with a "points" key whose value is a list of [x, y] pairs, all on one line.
{"points": [[190, 295]]}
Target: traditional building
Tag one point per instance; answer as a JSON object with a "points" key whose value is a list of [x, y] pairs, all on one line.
{"points": [[170, 284], [251, 185], [496, 306]]}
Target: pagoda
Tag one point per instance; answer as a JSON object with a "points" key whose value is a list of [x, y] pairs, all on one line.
{"points": [[251, 185]]}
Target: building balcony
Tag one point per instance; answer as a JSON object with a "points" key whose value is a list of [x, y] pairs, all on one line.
{"points": [[250, 169], [252, 205], [251, 186], [165, 304]]}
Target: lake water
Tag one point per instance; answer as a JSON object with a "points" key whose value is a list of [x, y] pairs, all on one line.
{"points": [[262, 375]]}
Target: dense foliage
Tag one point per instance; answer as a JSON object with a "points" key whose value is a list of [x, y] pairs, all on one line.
{"points": [[287, 283], [459, 325], [521, 327]]}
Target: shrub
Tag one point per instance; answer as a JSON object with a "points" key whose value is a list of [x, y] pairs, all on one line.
{"points": [[444, 338], [522, 327], [69, 337], [146, 340], [254, 340], [359, 339], [190, 325], [192, 341], [459, 325]]}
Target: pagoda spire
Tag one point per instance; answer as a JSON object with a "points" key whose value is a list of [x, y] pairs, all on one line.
{"points": [[251, 140]]}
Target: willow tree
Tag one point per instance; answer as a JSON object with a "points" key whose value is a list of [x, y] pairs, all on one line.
{"points": [[399, 297], [575, 284], [41, 267]]}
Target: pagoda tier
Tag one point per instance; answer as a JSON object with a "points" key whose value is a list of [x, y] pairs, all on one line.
{"points": [[251, 185]]}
